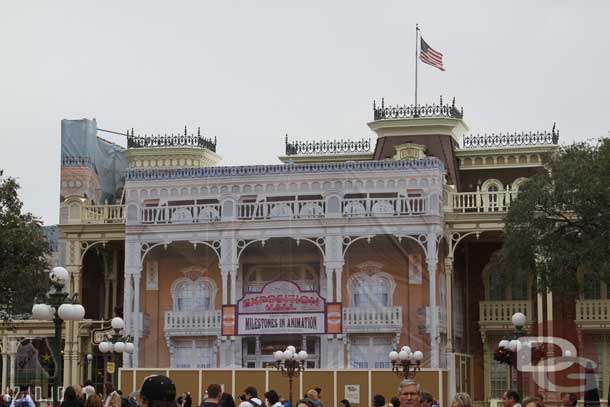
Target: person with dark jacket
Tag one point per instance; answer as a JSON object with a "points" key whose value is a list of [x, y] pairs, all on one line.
{"points": [[70, 398], [214, 395]]}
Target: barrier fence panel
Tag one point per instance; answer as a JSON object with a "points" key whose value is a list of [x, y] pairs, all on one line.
{"points": [[359, 385]]}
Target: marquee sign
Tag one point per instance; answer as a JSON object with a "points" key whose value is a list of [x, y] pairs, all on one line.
{"points": [[281, 307]]}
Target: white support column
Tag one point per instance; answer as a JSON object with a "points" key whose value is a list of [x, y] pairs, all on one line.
{"points": [[233, 278], [431, 260], [329, 285], [338, 287], [450, 350], [133, 255], [136, 317], [12, 362], [4, 370]]}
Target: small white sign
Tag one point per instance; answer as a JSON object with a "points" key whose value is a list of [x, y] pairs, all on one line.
{"points": [[352, 393]]}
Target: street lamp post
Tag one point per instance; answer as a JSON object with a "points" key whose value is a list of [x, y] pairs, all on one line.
{"points": [[290, 364], [406, 363], [86, 361], [61, 307], [509, 348], [117, 343]]}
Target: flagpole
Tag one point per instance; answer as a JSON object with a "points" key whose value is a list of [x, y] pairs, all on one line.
{"points": [[416, 57]]}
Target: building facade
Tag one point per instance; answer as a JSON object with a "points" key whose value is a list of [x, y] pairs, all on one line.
{"points": [[346, 249]]}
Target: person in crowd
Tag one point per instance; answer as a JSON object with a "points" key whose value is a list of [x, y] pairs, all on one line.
{"points": [[539, 398], [23, 398], [319, 391], [345, 403], [511, 398], [188, 400], [112, 398], [7, 397], [285, 403], [93, 400], [71, 398], [180, 400], [305, 403], [312, 396], [461, 400], [378, 400], [426, 399], [394, 402], [569, 400], [532, 402], [273, 399], [250, 398], [226, 400], [408, 393], [158, 391], [214, 393]]}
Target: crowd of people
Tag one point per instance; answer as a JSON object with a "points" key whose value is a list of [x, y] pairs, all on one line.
{"points": [[160, 391]]}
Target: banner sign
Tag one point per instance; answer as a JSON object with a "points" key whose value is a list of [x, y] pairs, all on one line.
{"points": [[281, 307], [228, 320]]}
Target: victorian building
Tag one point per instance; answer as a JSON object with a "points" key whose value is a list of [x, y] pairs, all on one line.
{"points": [[346, 249]]}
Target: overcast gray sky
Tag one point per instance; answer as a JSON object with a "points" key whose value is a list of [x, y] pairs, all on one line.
{"points": [[248, 72]]}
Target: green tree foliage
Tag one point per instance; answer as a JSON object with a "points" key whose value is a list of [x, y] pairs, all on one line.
{"points": [[23, 254], [560, 222]]}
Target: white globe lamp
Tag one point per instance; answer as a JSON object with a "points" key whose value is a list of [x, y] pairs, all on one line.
{"points": [[393, 356], [59, 275], [66, 312], [119, 347], [418, 356], [129, 348], [117, 323], [302, 355], [518, 319]]}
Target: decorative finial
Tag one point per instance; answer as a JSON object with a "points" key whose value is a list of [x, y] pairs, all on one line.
{"points": [[198, 131], [441, 100], [373, 104], [185, 130], [453, 103], [382, 102]]}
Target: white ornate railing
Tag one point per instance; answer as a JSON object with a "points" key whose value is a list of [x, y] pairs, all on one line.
{"points": [[309, 209], [359, 207], [102, 214], [201, 213], [502, 311], [480, 201], [593, 310], [378, 319], [206, 322]]}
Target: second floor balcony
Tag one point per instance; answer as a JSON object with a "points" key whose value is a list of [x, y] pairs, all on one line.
{"points": [[479, 202], [593, 314], [374, 319], [498, 314], [290, 209], [204, 323]]}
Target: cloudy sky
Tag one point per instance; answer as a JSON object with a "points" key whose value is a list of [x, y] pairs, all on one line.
{"points": [[248, 72]]}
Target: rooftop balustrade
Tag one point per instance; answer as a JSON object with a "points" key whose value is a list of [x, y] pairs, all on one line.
{"points": [[384, 112], [171, 140]]}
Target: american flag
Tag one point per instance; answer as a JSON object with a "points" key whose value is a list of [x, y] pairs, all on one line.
{"points": [[430, 56]]}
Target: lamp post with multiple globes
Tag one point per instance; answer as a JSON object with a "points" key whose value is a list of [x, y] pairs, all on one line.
{"points": [[61, 307], [406, 363], [117, 343], [508, 348], [290, 363]]}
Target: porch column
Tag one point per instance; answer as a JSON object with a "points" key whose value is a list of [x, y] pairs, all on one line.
{"points": [[4, 370], [133, 255], [449, 311], [73, 266], [229, 264], [12, 346], [136, 317], [431, 260], [224, 275]]}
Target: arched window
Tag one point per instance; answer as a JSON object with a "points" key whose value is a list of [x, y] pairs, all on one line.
{"points": [[492, 199], [371, 290], [591, 286], [193, 295]]}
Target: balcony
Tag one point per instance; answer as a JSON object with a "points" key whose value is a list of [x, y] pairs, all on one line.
{"points": [[480, 201], [103, 214], [192, 323], [593, 314], [201, 213], [379, 319], [293, 209], [498, 314]]}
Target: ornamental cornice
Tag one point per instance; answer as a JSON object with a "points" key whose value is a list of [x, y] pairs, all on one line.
{"points": [[151, 174]]}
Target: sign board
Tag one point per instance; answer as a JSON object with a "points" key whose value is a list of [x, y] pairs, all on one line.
{"points": [[281, 307], [110, 367], [352, 393]]}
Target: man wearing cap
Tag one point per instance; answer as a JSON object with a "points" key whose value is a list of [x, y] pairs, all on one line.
{"points": [[158, 391]]}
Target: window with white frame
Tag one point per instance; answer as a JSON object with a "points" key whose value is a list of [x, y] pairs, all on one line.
{"points": [[197, 353], [371, 290], [193, 295], [305, 276], [367, 352]]}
